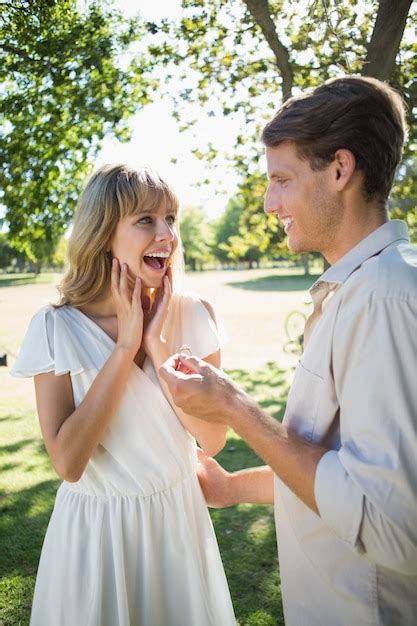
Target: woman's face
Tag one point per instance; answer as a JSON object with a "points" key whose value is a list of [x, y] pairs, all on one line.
{"points": [[146, 243]]}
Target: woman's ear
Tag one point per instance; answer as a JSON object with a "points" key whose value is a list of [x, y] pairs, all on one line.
{"points": [[344, 165]]}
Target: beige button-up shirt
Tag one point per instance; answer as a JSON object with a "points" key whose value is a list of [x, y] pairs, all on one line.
{"points": [[356, 388]]}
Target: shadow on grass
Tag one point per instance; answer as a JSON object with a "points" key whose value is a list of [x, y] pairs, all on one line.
{"points": [[246, 536], [31, 456], [12, 418], [16, 447], [12, 280], [277, 283], [24, 517], [246, 533], [268, 386], [247, 541]]}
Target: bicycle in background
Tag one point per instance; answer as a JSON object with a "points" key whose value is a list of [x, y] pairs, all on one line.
{"points": [[294, 329]]}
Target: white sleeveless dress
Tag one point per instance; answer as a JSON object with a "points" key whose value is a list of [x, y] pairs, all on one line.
{"points": [[131, 543]]}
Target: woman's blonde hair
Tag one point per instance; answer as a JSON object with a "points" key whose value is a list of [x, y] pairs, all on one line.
{"points": [[112, 193]]}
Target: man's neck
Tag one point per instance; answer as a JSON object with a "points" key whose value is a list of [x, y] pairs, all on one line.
{"points": [[353, 230]]}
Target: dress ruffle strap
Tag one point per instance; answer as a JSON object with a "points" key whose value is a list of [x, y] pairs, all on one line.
{"points": [[50, 345]]}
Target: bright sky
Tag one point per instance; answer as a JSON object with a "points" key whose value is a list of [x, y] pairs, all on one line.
{"points": [[156, 138]]}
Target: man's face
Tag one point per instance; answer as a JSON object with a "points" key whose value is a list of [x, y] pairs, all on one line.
{"points": [[305, 200]]}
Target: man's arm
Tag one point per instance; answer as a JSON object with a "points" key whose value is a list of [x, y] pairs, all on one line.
{"points": [[212, 395], [366, 491]]}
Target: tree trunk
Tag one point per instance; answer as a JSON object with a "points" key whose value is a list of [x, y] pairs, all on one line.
{"points": [[260, 11], [306, 265], [326, 264], [386, 37]]}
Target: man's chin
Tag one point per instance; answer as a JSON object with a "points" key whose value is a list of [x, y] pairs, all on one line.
{"points": [[296, 247]]}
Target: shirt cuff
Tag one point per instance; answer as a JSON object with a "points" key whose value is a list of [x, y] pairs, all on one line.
{"points": [[339, 499]]}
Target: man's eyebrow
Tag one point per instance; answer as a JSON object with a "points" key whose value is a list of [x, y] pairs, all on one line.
{"points": [[278, 173]]}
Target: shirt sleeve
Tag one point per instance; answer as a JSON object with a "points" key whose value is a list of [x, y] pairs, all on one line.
{"points": [[366, 491]]}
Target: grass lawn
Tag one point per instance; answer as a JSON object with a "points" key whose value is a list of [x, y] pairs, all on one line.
{"points": [[246, 533], [14, 280]]}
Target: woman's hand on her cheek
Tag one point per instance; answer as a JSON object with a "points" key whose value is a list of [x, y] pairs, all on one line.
{"points": [[128, 307]]}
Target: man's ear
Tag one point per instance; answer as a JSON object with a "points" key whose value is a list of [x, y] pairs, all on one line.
{"points": [[343, 165]]}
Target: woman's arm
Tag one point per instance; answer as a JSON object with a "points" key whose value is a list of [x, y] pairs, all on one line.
{"points": [[222, 489], [72, 434], [211, 437]]}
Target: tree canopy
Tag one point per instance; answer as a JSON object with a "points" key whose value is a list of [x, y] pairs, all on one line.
{"points": [[64, 88], [70, 77], [244, 58], [248, 56]]}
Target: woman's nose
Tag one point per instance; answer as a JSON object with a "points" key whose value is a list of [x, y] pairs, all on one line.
{"points": [[164, 231]]}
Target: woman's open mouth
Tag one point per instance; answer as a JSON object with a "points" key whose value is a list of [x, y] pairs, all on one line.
{"points": [[157, 261]]}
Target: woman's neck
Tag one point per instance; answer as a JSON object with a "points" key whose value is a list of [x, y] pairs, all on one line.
{"points": [[105, 307]]}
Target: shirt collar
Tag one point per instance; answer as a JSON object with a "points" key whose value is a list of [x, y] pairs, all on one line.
{"points": [[382, 237]]}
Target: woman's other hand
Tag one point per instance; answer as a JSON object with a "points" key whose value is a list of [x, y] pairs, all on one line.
{"points": [[214, 481], [156, 316], [128, 308]]}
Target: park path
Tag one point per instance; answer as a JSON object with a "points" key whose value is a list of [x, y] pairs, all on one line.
{"points": [[253, 318]]}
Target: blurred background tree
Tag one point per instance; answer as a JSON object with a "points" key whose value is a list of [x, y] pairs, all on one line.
{"points": [[196, 238], [243, 58], [64, 88], [70, 78]]}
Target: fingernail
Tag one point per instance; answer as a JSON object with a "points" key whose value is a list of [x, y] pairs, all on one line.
{"points": [[124, 267]]}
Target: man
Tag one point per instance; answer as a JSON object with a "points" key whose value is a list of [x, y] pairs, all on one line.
{"points": [[345, 457]]}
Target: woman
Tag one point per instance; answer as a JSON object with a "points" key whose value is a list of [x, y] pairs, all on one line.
{"points": [[130, 541]]}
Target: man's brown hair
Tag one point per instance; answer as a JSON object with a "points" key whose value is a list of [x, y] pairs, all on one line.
{"points": [[363, 115]]}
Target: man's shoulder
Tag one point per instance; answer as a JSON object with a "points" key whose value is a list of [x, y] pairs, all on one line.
{"points": [[397, 272], [390, 274]]}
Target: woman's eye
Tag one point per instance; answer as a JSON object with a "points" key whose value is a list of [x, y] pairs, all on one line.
{"points": [[144, 220], [171, 219]]}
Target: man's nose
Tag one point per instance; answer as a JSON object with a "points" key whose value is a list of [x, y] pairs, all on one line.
{"points": [[272, 202]]}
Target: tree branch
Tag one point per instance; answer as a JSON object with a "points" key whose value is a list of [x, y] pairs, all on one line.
{"points": [[259, 9], [386, 37], [17, 51]]}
